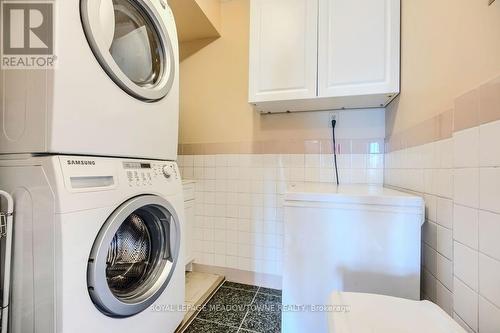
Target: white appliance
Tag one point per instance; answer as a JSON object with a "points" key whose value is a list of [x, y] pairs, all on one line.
{"points": [[6, 232], [113, 91], [348, 238], [98, 244], [368, 313]]}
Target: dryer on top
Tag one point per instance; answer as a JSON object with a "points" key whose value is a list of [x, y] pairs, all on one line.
{"points": [[113, 89]]}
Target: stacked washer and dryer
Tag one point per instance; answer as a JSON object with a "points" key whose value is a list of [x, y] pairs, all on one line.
{"points": [[88, 153]]}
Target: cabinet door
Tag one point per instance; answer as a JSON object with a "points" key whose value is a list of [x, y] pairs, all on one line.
{"points": [[189, 230], [283, 49], [359, 46]]}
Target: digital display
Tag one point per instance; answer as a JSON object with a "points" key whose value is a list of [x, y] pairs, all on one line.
{"points": [[136, 165]]}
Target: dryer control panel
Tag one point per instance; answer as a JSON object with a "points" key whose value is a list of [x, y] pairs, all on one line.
{"points": [[146, 173]]}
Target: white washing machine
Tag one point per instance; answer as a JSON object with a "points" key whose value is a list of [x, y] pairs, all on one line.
{"points": [[98, 245], [114, 89]]}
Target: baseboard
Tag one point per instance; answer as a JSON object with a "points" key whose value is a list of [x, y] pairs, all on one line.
{"points": [[198, 304], [240, 276]]}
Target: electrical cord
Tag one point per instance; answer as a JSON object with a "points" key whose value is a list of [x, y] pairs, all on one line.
{"points": [[334, 122]]}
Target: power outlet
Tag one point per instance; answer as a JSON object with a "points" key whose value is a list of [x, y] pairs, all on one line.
{"points": [[333, 116]]}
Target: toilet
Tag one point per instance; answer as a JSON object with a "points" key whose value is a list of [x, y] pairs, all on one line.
{"points": [[370, 313]]}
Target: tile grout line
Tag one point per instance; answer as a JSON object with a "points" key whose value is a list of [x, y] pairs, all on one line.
{"points": [[247, 330], [248, 310], [465, 322], [215, 322]]}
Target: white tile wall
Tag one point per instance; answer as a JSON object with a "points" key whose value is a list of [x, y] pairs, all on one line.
{"points": [[489, 317], [488, 146], [445, 212], [466, 148], [239, 214], [238, 201], [490, 194], [462, 195], [462, 323], [429, 285], [444, 271], [466, 187], [489, 280], [430, 259], [489, 231], [429, 234], [465, 304], [446, 153], [465, 265], [444, 297], [466, 226], [444, 242]]}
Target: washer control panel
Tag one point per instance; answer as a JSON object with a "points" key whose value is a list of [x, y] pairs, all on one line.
{"points": [[141, 174]]}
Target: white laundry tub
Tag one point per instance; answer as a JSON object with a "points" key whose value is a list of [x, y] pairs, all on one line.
{"points": [[348, 238]]}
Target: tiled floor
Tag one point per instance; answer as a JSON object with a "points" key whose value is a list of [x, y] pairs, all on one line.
{"points": [[240, 308]]}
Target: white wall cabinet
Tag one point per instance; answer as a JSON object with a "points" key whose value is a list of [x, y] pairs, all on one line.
{"points": [[310, 55], [283, 49], [358, 48]]}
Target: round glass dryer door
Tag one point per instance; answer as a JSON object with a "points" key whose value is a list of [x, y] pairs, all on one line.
{"points": [[132, 44], [134, 256]]}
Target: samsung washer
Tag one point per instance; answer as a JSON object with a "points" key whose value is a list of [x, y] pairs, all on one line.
{"points": [[134, 256], [98, 244]]}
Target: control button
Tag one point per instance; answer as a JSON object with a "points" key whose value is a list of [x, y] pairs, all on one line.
{"points": [[129, 176], [163, 4], [166, 172]]}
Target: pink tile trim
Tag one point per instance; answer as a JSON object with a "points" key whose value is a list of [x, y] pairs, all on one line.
{"points": [[466, 111], [320, 146], [312, 146], [490, 101], [478, 106], [446, 124]]}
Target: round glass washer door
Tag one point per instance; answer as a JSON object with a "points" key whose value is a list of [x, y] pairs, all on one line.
{"points": [[132, 44], [134, 256]]}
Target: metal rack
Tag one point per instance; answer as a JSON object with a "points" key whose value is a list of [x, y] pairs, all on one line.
{"points": [[6, 223]]}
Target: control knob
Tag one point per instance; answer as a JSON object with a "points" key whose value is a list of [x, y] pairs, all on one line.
{"points": [[166, 172]]}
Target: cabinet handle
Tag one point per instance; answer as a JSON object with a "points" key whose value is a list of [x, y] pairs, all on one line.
{"points": [[491, 2]]}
